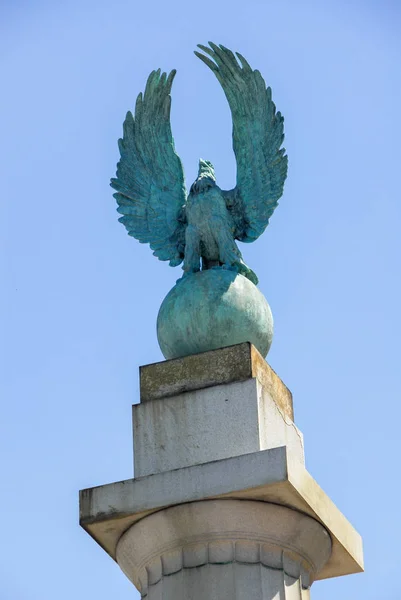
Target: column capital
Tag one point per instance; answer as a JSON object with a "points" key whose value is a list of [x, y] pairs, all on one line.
{"points": [[292, 547]]}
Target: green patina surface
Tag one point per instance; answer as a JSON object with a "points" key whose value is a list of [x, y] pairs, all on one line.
{"points": [[200, 229], [212, 309]]}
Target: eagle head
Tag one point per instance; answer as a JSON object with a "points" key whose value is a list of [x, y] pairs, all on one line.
{"points": [[206, 178]]}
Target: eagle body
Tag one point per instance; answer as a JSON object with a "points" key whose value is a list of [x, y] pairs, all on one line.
{"points": [[209, 234], [207, 216]]}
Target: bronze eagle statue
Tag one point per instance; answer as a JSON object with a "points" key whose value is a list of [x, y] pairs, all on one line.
{"points": [[200, 229]]}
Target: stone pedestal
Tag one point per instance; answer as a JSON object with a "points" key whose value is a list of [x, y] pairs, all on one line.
{"points": [[222, 506], [209, 424]]}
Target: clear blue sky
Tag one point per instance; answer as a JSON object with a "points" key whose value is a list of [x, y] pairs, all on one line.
{"points": [[80, 297]]}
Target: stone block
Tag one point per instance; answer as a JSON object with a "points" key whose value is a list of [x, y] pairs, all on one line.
{"points": [[210, 424], [217, 367]]}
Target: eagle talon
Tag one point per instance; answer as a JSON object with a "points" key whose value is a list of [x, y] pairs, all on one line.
{"points": [[230, 268]]}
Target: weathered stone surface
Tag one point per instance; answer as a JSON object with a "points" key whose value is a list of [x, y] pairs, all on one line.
{"points": [[210, 424], [217, 367], [246, 549], [274, 476]]}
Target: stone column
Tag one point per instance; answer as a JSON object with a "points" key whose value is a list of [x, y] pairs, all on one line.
{"points": [[231, 549], [221, 506]]}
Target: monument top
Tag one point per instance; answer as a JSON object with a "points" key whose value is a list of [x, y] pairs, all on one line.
{"points": [[203, 225], [200, 229]]}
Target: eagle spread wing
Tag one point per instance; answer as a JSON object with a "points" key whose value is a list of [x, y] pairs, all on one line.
{"points": [[257, 137], [150, 185]]}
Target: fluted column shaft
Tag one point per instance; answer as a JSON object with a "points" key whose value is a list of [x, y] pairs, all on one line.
{"points": [[224, 549]]}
